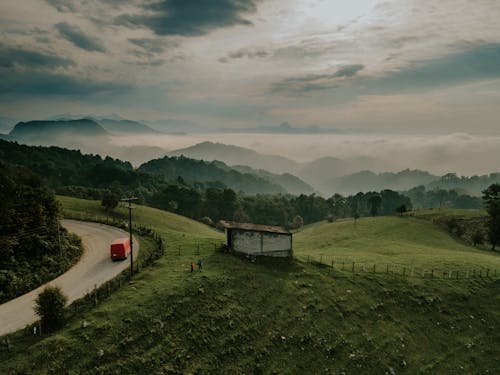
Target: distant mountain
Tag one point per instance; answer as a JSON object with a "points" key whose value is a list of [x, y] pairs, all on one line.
{"points": [[234, 155], [126, 127], [322, 173], [6, 124], [291, 183], [70, 132], [472, 185], [202, 171], [369, 181]]}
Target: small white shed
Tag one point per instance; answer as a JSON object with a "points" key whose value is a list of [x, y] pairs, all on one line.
{"points": [[258, 240]]}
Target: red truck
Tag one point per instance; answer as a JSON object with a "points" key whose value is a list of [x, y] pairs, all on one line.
{"points": [[120, 248]]}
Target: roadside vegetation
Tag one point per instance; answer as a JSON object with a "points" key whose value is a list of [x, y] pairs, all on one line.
{"points": [[236, 316], [34, 248]]}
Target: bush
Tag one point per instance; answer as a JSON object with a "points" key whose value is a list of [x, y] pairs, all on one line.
{"points": [[49, 306]]}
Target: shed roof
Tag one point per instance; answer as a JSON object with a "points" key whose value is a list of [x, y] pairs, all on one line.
{"points": [[254, 227]]}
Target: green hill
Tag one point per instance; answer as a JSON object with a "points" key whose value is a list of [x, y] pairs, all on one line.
{"points": [[410, 242], [198, 170], [263, 318]]}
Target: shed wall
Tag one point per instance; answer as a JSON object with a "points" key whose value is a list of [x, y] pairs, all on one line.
{"points": [[258, 243], [246, 241]]}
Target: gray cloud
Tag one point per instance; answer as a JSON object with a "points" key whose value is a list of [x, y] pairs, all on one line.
{"points": [[62, 6], [15, 57], [249, 53], [49, 84], [78, 38], [316, 82], [472, 64], [152, 45], [475, 63], [348, 71], [189, 17]]}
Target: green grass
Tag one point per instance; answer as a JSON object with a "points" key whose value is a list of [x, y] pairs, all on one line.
{"points": [[273, 317], [393, 240]]}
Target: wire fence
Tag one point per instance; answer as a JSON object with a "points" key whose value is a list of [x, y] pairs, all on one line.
{"points": [[343, 266]]}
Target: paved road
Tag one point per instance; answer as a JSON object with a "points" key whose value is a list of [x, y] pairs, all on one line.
{"points": [[94, 268]]}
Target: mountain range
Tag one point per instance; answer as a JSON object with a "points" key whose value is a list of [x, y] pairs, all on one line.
{"points": [[324, 176]]}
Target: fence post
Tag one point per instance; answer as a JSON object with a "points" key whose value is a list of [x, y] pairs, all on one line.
{"points": [[488, 272], [332, 264], [374, 268], [179, 250], [352, 266], [321, 259], [480, 273], [387, 269], [342, 266], [432, 273], [308, 259]]}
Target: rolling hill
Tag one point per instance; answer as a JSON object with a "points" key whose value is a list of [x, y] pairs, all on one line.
{"points": [[234, 155], [274, 317], [198, 170]]}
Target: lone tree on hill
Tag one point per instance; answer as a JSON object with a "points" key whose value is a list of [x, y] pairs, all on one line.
{"points": [[491, 199], [110, 200], [49, 306]]}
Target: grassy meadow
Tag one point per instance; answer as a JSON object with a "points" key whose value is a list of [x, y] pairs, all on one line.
{"points": [[411, 242], [274, 317]]}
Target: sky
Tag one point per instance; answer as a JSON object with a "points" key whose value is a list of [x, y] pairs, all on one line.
{"points": [[403, 66]]}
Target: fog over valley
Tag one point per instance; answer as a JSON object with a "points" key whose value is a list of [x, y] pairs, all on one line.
{"points": [[458, 152]]}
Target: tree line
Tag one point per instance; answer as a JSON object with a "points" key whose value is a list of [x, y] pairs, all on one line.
{"points": [[33, 247]]}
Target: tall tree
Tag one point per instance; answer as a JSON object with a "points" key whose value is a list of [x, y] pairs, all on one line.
{"points": [[491, 198], [375, 201]]}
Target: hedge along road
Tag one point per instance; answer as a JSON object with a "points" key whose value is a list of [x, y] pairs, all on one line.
{"points": [[93, 269]]}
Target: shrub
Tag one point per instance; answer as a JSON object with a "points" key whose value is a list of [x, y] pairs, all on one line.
{"points": [[49, 306]]}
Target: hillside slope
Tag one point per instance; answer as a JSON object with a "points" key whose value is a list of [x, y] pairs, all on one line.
{"points": [[242, 317], [198, 170]]}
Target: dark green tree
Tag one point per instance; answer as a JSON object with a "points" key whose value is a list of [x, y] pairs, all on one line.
{"points": [[49, 306], [491, 199], [401, 209], [110, 200], [375, 201]]}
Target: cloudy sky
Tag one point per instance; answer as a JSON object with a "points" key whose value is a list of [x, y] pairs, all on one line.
{"points": [[366, 65]]}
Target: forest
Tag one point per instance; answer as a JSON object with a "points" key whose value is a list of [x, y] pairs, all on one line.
{"points": [[34, 248], [188, 187]]}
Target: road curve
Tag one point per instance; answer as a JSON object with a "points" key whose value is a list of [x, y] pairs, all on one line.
{"points": [[93, 269]]}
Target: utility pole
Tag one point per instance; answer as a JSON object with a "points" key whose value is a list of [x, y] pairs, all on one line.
{"points": [[129, 200]]}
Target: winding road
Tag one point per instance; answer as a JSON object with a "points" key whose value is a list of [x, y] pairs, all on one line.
{"points": [[93, 269]]}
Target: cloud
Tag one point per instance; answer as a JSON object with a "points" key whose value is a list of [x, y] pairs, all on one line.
{"points": [[316, 82], [78, 38], [41, 83], [63, 6], [475, 63], [249, 53], [153, 45], [189, 17], [15, 57]]}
